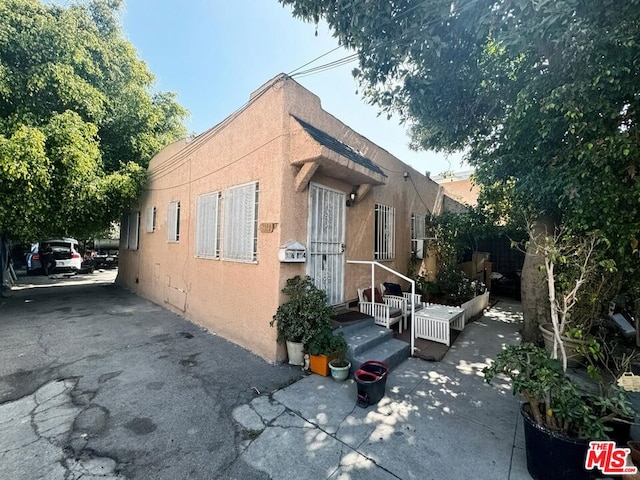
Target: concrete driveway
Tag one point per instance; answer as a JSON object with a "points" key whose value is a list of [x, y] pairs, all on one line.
{"points": [[98, 383]]}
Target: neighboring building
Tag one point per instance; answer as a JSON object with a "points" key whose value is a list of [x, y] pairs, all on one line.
{"points": [[458, 189], [208, 236]]}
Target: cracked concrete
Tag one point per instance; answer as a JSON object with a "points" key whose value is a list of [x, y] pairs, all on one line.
{"points": [[96, 383], [436, 420], [40, 424]]}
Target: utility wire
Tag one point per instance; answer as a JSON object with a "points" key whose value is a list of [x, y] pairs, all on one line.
{"points": [[222, 167], [173, 162], [418, 194], [372, 49], [314, 60], [388, 22]]}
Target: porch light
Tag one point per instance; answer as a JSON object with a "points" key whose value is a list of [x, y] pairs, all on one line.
{"points": [[352, 197]]}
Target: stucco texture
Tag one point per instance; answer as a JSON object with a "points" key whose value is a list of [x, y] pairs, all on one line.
{"points": [[264, 143]]}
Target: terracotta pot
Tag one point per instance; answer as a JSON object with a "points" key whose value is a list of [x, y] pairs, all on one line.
{"points": [[574, 359]]}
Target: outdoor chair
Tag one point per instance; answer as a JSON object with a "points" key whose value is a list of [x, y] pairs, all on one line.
{"points": [[385, 311], [394, 290]]}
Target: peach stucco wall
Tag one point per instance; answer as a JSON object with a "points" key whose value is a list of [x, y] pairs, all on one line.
{"points": [[237, 300]]}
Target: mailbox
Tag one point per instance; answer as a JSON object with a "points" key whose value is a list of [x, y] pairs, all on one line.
{"points": [[292, 252]]}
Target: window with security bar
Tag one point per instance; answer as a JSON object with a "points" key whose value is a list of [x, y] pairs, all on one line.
{"points": [[129, 231], [418, 229], [385, 228], [151, 219], [134, 231], [124, 231], [208, 210], [240, 239], [173, 222]]}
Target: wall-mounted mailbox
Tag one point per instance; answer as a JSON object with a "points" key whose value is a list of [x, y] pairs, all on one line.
{"points": [[292, 252]]}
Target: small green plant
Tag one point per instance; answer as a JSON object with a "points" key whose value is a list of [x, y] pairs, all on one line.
{"points": [[320, 343], [304, 314], [452, 287], [554, 401], [338, 347], [338, 351]]}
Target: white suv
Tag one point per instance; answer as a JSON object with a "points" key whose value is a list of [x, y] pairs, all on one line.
{"points": [[65, 253]]}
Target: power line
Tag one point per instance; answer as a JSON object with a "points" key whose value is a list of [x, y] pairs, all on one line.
{"points": [[388, 22], [370, 50], [418, 194], [175, 160], [242, 157], [314, 60]]}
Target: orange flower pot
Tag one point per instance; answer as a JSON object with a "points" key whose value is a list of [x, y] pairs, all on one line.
{"points": [[319, 364]]}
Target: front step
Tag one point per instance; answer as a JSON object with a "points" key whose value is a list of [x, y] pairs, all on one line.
{"points": [[368, 341], [392, 352]]}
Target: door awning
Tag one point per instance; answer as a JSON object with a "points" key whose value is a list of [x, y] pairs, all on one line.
{"points": [[333, 158]]}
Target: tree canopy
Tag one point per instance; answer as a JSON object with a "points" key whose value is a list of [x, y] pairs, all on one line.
{"points": [[79, 120], [544, 96]]}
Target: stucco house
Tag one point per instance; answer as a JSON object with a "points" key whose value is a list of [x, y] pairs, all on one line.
{"points": [[459, 189], [279, 188]]}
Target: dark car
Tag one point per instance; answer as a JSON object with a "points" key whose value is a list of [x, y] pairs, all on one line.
{"points": [[106, 258]]}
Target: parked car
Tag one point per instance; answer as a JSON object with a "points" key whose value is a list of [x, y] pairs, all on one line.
{"points": [[106, 258], [65, 253]]}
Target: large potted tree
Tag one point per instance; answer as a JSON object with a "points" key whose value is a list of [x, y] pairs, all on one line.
{"points": [[570, 262], [301, 316], [559, 418]]}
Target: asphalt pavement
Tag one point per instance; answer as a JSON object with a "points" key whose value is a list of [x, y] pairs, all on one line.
{"points": [[97, 383]]}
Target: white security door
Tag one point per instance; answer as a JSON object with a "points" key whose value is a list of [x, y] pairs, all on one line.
{"points": [[325, 252]]}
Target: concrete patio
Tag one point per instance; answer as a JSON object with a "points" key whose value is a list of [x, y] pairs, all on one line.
{"points": [[437, 420]]}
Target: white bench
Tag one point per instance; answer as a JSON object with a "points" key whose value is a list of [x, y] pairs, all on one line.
{"points": [[433, 322]]}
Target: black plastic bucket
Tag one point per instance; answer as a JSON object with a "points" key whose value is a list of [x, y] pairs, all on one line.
{"points": [[371, 381]]}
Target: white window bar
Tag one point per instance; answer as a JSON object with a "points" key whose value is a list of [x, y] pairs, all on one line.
{"points": [[134, 231], [385, 230], [418, 229], [151, 219], [124, 231], [207, 225], [173, 222], [240, 237]]}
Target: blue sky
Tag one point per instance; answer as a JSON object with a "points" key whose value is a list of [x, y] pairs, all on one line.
{"points": [[214, 53]]}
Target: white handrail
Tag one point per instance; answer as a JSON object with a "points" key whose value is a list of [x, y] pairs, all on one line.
{"points": [[397, 274]]}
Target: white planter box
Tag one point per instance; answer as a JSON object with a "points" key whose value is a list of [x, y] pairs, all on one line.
{"points": [[476, 305]]}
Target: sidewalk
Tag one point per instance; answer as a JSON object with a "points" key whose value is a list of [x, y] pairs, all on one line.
{"points": [[436, 421]]}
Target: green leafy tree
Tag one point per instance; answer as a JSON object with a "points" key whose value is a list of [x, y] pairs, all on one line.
{"points": [[544, 96], [79, 120]]}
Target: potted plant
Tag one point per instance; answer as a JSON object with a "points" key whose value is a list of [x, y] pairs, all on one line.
{"points": [[559, 418], [339, 365], [570, 263], [319, 349], [301, 316]]}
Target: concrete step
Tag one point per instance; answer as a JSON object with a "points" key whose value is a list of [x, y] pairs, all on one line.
{"points": [[347, 328], [392, 352], [366, 337]]}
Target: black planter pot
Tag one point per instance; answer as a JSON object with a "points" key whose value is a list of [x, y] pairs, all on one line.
{"points": [[553, 456], [620, 432]]}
